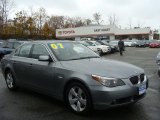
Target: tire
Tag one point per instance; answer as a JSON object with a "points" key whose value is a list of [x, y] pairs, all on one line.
{"points": [[78, 98], [100, 52], [159, 73], [10, 81], [1, 56]]}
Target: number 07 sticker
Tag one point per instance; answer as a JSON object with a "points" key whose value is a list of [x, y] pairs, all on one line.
{"points": [[57, 45]]}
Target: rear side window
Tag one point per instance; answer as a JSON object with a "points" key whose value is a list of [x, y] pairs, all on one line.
{"points": [[16, 45], [9, 45], [25, 50], [38, 50]]}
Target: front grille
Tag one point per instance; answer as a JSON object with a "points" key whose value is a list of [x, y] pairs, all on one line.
{"points": [[137, 79], [142, 77], [123, 100], [134, 80]]}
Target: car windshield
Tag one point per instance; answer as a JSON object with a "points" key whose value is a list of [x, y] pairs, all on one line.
{"points": [[114, 42], [90, 43], [105, 42], [85, 43], [128, 41], [71, 51], [141, 41], [97, 43]]}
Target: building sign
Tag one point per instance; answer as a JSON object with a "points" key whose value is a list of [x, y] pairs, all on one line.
{"points": [[101, 30], [66, 32]]}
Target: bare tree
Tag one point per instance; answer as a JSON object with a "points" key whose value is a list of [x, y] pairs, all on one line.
{"points": [[113, 20], [88, 21], [69, 22], [41, 17], [140, 23], [97, 18], [6, 6], [78, 22], [130, 23], [56, 22]]}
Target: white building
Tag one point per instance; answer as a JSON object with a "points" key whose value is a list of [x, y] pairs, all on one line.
{"points": [[109, 31]]}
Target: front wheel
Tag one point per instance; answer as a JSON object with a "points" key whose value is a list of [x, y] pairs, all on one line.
{"points": [[10, 81], [100, 52], [78, 98]]}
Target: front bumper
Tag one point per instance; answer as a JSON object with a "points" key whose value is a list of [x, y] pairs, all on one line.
{"points": [[104, 97], [106, 50]]}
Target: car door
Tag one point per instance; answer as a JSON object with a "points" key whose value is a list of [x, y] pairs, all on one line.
{"points": [[42, 72], [21, 63]]}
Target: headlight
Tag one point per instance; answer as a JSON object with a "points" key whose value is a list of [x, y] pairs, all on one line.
{"points": [[108, 82]]}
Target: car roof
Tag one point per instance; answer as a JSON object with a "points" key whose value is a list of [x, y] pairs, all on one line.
{"points": [[50, 41]]}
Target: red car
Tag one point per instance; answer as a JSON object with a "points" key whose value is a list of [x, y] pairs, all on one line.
{"points": [[154, 45]]}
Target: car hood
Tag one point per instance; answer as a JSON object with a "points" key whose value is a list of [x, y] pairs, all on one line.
{"points": [[102, 46], [102, 67]]}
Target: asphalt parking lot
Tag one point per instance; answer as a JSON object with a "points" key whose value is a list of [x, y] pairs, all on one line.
{"points": [[27, 105]]}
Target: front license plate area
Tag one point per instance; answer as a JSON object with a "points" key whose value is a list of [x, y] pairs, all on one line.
{"points": [[142, 89]]}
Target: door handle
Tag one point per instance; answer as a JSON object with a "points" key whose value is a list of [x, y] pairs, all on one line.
{"points": [[14, 62]]}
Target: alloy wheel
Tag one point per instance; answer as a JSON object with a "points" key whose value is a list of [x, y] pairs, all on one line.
{"points": [[77, 99]]}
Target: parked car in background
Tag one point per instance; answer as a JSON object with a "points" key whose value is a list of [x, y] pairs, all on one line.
{"points": [[103, 48], [114, 43], [147, 42], [8, 47], [128, 43], [106, 40], [1, 44], [134, 41], [75, 74], [113, 48], [141, 43], [154, 44], [91, 46]]}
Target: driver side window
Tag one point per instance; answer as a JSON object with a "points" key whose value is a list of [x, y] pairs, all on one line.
{"points": [[38, 50]]}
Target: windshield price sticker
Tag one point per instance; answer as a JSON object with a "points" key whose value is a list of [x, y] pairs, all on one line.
{"points": [[57, 45]]}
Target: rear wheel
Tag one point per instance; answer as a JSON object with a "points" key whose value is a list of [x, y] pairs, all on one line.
{"points": [[78, 98], [10, 81]]}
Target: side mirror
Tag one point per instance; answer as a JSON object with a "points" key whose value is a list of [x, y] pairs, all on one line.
{"points": [[45, 58]]}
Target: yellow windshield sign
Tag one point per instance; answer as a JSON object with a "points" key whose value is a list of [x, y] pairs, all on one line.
{"points": [[57, 45]]}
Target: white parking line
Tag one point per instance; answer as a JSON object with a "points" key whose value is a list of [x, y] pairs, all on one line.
{"points": [[153, 90]]}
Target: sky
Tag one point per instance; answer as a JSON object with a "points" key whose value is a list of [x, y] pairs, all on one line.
{"points": [[142, 12]]}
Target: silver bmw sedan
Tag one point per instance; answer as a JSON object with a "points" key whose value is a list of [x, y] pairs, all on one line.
{"points": [[73, 73]]}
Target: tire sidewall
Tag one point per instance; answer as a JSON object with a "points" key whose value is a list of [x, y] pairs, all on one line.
{"points": [[14, 84], [88, 98]]}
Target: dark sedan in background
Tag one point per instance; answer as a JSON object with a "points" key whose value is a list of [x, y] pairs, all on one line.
{"points": [[8, 46], [112, 47], [141, 43], [71, 72]]}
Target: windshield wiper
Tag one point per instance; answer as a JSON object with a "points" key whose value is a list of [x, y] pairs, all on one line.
{"points": [[84, 57]]}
